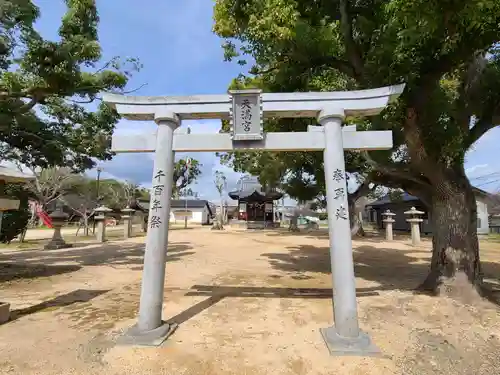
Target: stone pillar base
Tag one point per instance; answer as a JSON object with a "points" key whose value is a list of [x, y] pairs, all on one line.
{"points": [[57, 244], [4, 312], [348, 346], [155, 337]]}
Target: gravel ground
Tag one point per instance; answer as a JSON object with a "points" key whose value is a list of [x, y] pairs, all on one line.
{"points": [[236, 298]]}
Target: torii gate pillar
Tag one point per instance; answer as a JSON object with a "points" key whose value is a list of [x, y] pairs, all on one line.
{"points": [[150, 329], [344, 337]]}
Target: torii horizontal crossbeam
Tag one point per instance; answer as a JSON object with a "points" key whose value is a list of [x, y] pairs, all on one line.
{"points": [[297, 104], [289, 141]]}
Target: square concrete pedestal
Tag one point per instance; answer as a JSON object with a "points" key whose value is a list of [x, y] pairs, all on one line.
{"points": [[155, 337], [347, 346]]}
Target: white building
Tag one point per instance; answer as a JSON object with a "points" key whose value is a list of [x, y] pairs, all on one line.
{"points": [[483, 226], [198, 211]]}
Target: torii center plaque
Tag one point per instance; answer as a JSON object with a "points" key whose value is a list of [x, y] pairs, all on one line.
{"points": [[246, 115]]}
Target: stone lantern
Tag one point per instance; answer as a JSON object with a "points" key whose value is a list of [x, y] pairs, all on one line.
{"points": [[100, 217], [128, 213], [388, 220], [59, 218], [414, 220]]}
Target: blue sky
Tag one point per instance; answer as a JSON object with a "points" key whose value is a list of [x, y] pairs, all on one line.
{"points": [[181, 56]]}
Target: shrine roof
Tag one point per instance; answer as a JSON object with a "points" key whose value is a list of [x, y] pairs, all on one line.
{"points": [[11, 175], [249, 187], [255, 194]]}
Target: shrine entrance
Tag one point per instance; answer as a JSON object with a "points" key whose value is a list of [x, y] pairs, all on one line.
{"points": [[246, 111], [255, 204]]}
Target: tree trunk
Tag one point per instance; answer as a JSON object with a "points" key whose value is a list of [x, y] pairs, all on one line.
{"points": [[455, 265], [22, 236], [293, 226], [218, 225], [356, 224], [86, 226]]}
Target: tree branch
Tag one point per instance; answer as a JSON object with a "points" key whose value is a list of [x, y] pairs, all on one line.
{"points": [[261, 72], [481, 127], [395, 172], [342, 66], [469, 86], [362, 190], [352, 49]]}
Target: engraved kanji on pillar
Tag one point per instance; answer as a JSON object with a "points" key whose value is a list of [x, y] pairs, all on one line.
{"points": [[340, 196], [156, 221]]}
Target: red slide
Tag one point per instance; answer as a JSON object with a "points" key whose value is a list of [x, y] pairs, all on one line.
{"points": [[47, 221]]}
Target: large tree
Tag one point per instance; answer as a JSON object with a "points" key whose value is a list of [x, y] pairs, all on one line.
{"points": [[445, 53], [184, 175], [50, 114], [50, 184], [220, 182], [117, 194]]}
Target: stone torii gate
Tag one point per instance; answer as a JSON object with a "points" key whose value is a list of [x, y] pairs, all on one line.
{"points": [[246, 110]]}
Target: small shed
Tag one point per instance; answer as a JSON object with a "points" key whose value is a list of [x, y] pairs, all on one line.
{"points": [[9, 175]]}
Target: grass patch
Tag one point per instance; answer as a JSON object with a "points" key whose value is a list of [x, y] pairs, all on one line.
{"points": [[111, 235], [492, 237]]}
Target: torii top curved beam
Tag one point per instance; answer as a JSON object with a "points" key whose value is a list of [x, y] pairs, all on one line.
{"points": [[298, 104]]}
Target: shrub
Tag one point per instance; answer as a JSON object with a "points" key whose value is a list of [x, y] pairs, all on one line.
{"points": [[14, 222], [323, 216]]}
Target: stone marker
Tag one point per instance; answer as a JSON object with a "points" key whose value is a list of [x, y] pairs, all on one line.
{"points": [[414, 220], [4, 312], [100, 217], [388, 220], [59, 218], [127, 216]]}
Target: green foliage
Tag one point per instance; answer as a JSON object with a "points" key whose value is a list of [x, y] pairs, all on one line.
{"points": [[439, 49], [81, 192], [51, 183], [14, 222], [395, 195], [49, 109], [116, 194], [188, 192], [143, 194], [184, 176], [220, 182]]}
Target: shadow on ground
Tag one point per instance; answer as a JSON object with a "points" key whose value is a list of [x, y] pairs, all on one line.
{"points": [[391, 268], [371, 236], [79, 295], [13, 271], [217, 293], [37, 263]]}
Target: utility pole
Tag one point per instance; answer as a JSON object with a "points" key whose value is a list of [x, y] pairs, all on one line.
{"points": [[188, 166], [99, 170]]}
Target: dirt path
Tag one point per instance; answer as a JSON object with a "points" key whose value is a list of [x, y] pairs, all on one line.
{"points": [[247, 303]]}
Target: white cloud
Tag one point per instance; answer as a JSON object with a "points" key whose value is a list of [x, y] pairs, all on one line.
{"points": [[138, 167], [475, 168]]}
